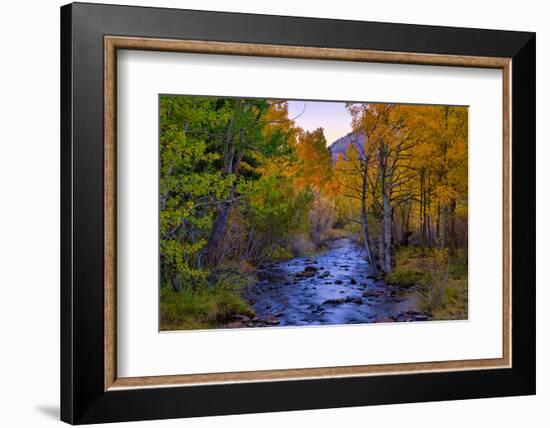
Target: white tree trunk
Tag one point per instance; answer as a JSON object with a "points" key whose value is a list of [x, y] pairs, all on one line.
{"points": [[387, 233], [443, 227], [364, 222], [381, 243]]}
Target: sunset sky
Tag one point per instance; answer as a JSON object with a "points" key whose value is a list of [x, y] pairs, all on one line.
{"points": [[331, 116]]}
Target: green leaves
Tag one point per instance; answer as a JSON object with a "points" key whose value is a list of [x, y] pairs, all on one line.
{"points": [[275, 208], [225, 152]]}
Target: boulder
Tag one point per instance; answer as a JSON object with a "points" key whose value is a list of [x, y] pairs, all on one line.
{"points": [[385, 319], [421, 318], [334, 301], [305, 274], [236, 324], [271, 320], [372, 293], [356, 300]]}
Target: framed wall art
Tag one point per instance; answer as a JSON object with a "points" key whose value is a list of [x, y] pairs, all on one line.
{"points": [[266, 213]]}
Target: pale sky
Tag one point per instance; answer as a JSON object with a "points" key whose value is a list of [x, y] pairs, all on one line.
{"points": [[331, 116]]}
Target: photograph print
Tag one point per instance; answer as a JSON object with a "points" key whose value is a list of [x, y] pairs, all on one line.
{"points": [[277, 212]]}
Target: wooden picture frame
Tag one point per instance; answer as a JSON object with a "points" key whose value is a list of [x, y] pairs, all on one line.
{"points": [[91, 390]]}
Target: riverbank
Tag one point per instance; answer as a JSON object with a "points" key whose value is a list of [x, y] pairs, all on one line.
{"points": [[441, 279]]}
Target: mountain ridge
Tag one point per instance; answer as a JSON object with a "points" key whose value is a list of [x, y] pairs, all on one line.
{"points": [[340, 146]]}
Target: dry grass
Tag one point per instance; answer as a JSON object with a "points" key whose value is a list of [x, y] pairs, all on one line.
{"points": [[443, 281]]}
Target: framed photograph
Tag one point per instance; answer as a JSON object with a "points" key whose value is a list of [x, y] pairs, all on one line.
{"points": [[266, 213]]}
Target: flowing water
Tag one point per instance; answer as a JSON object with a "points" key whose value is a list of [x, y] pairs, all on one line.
{"points": [[333, 287]]}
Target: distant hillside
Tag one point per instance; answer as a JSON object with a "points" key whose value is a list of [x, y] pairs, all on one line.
{"points": [[340, 146]]}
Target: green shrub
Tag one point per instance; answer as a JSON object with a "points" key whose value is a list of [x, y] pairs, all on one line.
{"points": [[203, 309], [455, 301], [458, 270], [281, 254], [405, 277]]}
